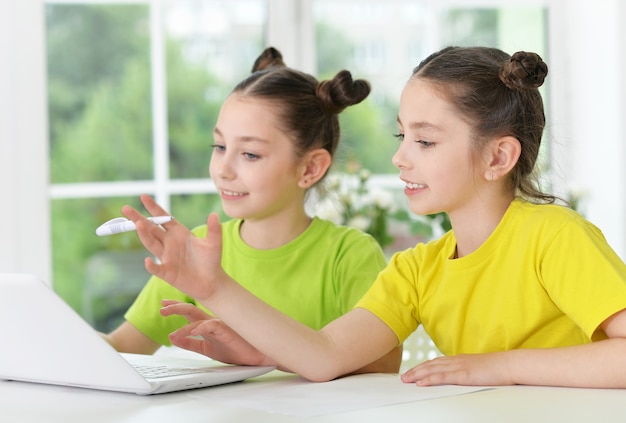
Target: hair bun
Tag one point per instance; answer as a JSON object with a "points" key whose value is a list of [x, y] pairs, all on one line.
{"points": [[336, 94], [524, 70], [270, 58]]}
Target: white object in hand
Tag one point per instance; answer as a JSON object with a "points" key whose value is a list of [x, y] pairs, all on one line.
{"points": [[121, 224]]}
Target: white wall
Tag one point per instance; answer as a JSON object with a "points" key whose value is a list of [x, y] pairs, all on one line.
{"points": [[587, 68], [24, 205], [622, 118]]}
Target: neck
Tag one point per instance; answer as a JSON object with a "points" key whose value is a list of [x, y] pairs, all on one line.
{"points": [[473, 225], [273, 231]]}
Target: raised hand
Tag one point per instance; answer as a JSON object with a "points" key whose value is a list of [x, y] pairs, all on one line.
{"points": [[187, 262], [210, 336]]}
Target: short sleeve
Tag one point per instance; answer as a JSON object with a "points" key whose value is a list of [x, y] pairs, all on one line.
{"points": [[583, 275]]}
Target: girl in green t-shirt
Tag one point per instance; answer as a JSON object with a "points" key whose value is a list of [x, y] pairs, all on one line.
{"points": [[274, 139]]}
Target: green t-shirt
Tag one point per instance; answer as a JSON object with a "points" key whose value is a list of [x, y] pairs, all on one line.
{"points": [[544, 278], [315, 278]]}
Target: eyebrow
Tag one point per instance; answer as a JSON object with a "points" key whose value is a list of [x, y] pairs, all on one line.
{"points": [[244, 138], [421, 125]]}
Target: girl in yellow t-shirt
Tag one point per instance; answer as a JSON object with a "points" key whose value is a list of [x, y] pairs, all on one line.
{"points": [[520, 291]]}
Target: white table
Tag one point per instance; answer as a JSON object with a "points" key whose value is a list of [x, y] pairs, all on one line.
{"points": [[26, 402]]}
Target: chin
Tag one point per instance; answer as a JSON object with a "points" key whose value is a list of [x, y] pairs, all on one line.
{"points": [[421, 210], [234, 214]]}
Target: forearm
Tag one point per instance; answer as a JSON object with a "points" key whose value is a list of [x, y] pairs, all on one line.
{"points": [[342, 347], [597, 365], [127, 338], [290, 344], [389, 363]]}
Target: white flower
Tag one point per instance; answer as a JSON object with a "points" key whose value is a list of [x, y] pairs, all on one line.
{"points": [[348, 198], [329, 209], [349, 201], [383, 199], [360, 222], [364, 174], [363, 201], [333, 181]]}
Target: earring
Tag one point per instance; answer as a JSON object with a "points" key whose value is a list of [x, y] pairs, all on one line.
{"points": [[491, 177]]}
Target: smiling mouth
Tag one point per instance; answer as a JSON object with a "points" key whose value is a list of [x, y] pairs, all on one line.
{"points": [[411, 185], [233, 193]]}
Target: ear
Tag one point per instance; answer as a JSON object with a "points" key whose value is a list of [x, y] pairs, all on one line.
{"points": [[503, 153], [314, 164]]}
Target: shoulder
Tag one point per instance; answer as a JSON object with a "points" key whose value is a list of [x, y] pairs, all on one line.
{"points": [[558, 235], [329, 233], [432, 253], [553, 219], [343, 243], [332, 230], [227, 227]]}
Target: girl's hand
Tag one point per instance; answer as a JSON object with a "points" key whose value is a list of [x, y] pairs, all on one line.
{"points": [[189, 263], [211, 337], [465, 369]]}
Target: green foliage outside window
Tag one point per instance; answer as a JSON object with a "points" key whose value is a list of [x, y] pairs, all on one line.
{"points": [[99, 93]]}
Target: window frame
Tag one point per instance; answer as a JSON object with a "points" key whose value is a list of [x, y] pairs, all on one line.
{"points": [[24, 153]]}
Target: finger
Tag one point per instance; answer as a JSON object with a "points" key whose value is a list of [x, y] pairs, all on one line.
{"points": [[166, 302], [185, 330], [188, 311], [214, 229], [208, 329], [152, 206], [438, 371], [132, 213], [151, 236], [187, 343], [418, 372], [214, 237], [154, 268]]}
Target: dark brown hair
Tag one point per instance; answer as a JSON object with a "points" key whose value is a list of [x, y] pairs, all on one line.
{"points": [[498, 96], [308, 108]]}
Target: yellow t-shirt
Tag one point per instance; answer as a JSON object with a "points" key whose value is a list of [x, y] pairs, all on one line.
{"points": [[546, 277]]}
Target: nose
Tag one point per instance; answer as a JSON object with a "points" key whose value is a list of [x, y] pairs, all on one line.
{"points": [[399, 157], [221, 167]]}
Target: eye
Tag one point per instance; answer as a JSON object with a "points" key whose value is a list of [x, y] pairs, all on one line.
{"points": [[251, 156], [425, 144], [399, 136], [218, 148]]}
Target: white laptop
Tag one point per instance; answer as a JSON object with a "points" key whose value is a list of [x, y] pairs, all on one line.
{"points": [[43, 340]]}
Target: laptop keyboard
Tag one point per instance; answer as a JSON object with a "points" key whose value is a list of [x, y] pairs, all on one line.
{"points": [[160, 371]]}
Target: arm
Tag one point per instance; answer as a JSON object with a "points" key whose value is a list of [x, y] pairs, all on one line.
{"points": [[599, 364], [212, 337], [193, 265], [127, 338], [389, 363]]}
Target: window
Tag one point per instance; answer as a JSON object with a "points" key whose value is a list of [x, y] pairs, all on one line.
{"points": [[134, 90], [132, 86]]}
